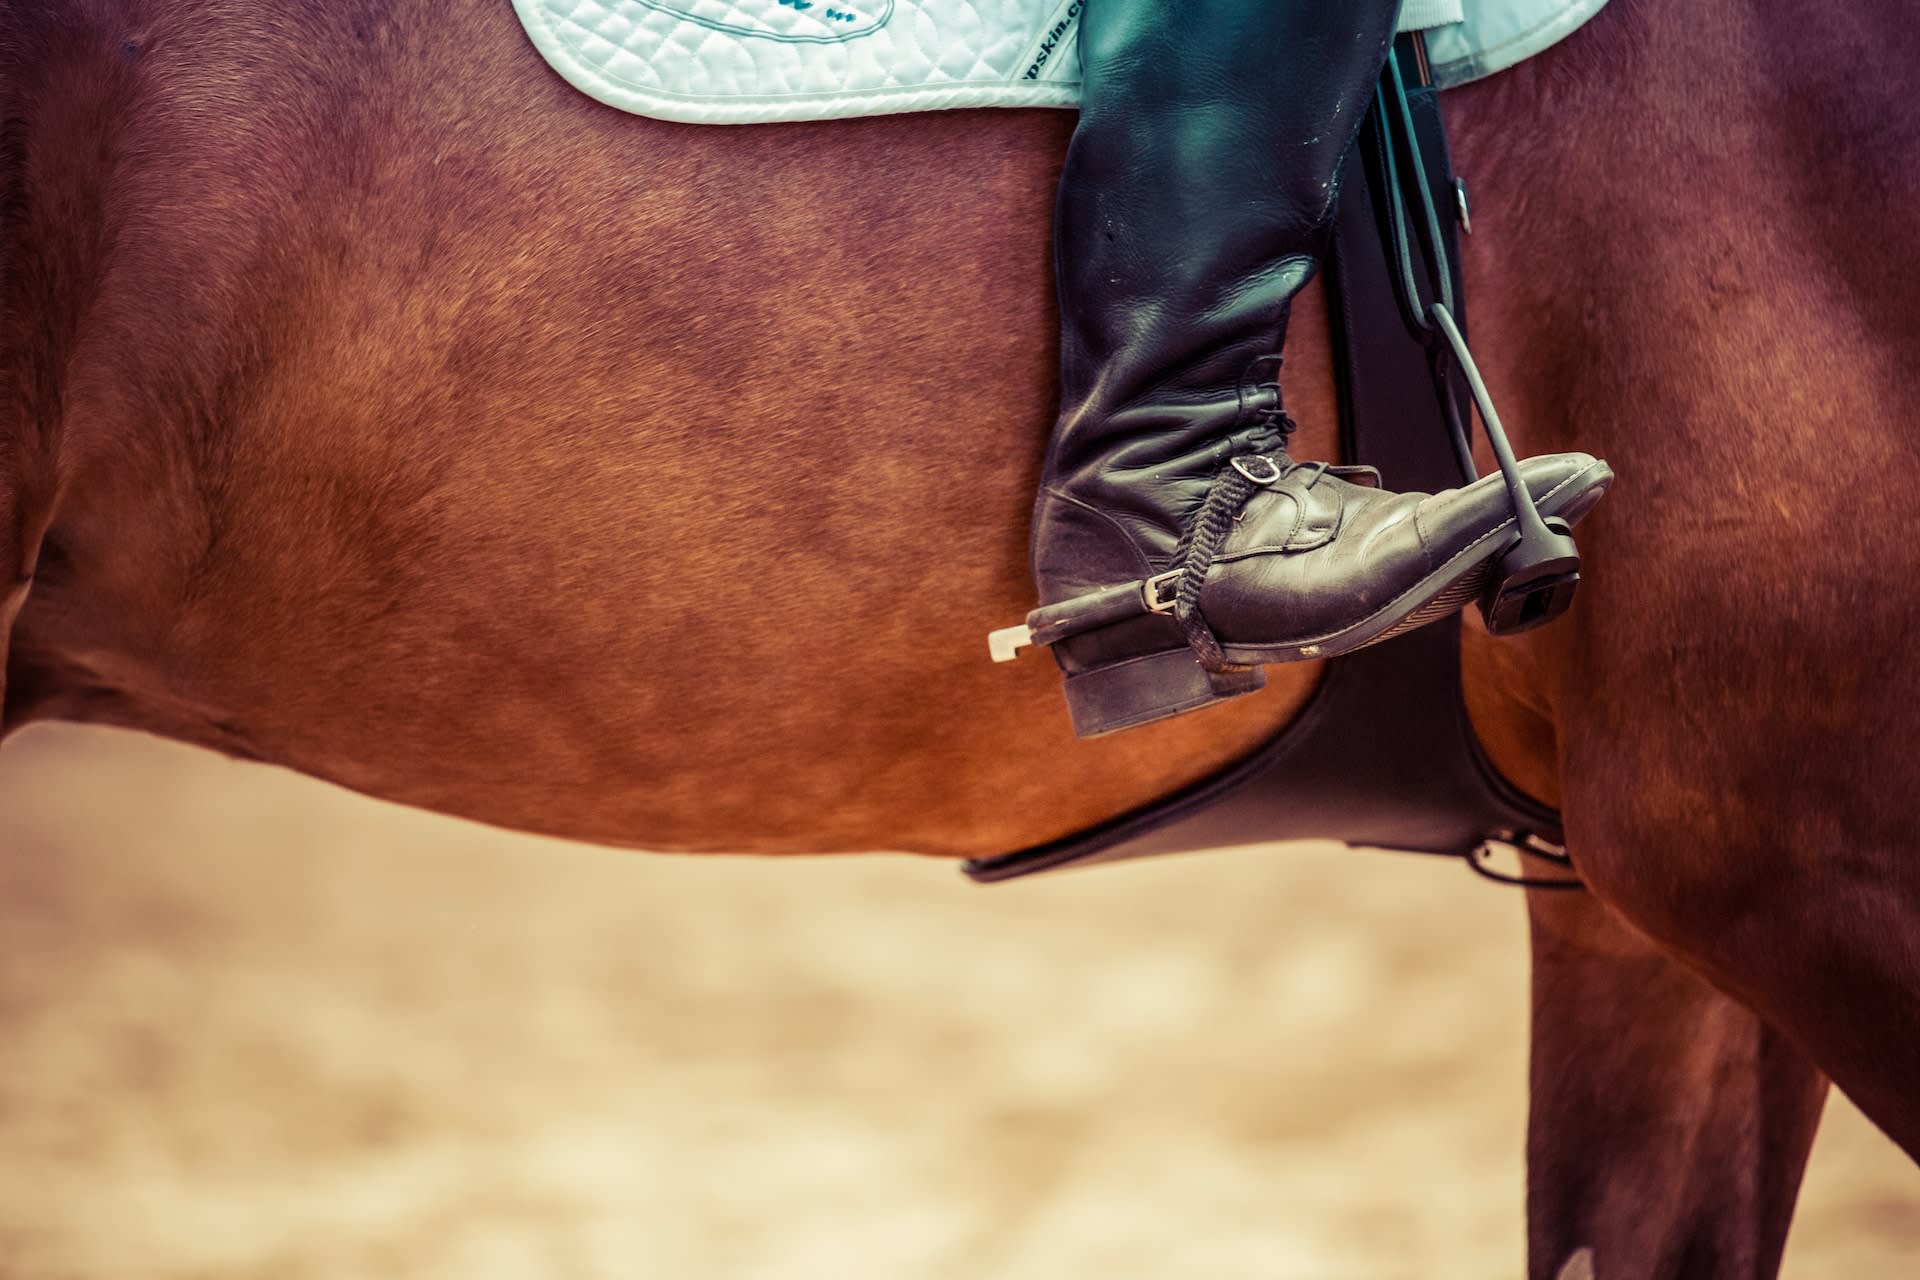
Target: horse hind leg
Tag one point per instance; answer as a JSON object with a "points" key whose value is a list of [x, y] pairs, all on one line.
{"points": [[1669, 1127]]}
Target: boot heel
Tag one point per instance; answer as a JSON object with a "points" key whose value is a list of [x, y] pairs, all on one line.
{"points": [[1141, 690]]}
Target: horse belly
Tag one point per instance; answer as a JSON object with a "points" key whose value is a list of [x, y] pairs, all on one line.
{"points": [[650, 484]]}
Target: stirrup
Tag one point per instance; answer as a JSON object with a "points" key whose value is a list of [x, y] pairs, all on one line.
{"points": [[1535, 578]]}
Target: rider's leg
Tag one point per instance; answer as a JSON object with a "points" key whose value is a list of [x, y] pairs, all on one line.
{"points": [[1194, 204]]}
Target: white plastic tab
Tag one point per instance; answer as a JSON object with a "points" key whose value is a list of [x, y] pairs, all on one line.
{"points": [[1006, 643]]}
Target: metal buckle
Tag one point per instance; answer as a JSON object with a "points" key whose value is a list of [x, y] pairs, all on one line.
{"points": [[1246, 467], [1150, 591], [1479, 860]]}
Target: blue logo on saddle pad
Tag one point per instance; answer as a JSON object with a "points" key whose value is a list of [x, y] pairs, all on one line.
{"points": [[788, 21]]}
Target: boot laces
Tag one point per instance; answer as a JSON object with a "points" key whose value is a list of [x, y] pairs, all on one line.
{"points": [[1243, 476]]}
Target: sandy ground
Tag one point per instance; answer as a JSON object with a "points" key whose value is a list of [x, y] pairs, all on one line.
{"points": [[252, 1026]]}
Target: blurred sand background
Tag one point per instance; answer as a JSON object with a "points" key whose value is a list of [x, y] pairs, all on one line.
{"points": [[253, 1026]]}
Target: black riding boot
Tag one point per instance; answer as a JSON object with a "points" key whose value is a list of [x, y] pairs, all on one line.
{"points": [[1176, 546]]}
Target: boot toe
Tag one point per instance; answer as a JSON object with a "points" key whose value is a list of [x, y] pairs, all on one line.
{"points": [[1562, 484], [1561, 480], [1386, 572]]}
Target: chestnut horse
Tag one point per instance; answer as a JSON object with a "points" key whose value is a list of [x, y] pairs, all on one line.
{"points": [[374, 404]]}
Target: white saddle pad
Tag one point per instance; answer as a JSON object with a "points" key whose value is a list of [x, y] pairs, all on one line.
{"points": [[738, 61]]}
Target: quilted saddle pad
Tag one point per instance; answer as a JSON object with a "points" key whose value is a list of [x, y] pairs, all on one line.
{"points": [[741, 61]]}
